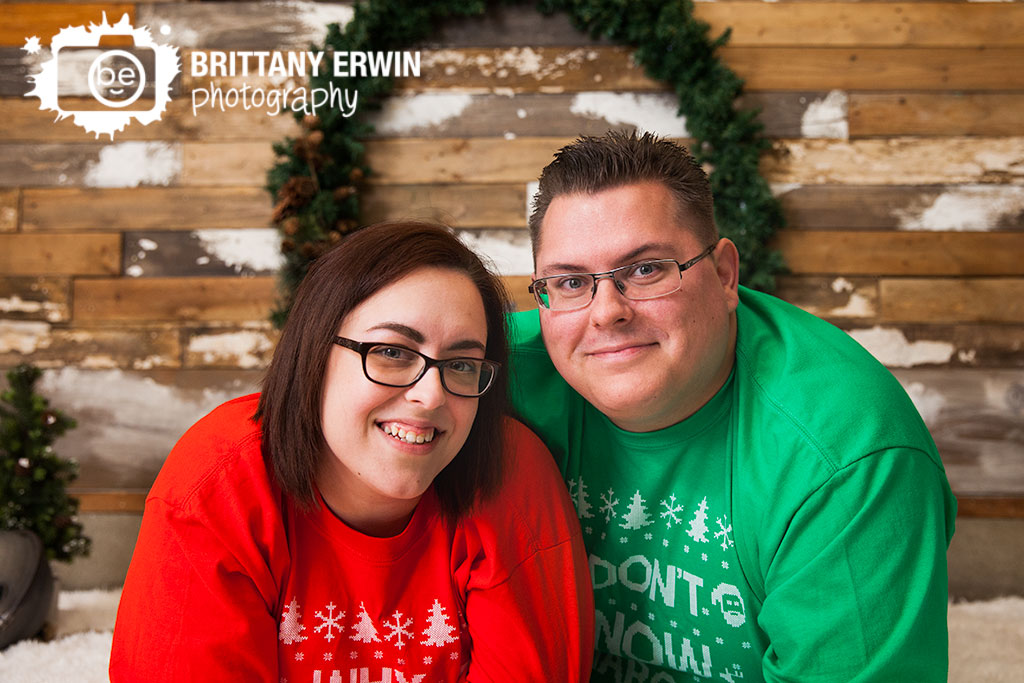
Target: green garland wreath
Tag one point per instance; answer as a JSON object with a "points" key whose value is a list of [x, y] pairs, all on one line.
{"points": [[315, 182]]}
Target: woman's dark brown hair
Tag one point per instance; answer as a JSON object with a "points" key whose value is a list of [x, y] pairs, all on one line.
{"points": [[337, 282]]}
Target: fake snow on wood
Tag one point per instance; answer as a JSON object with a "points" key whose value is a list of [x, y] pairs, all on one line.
{"points": [[23, 337], [122, 412], [314, 17], [130, 164], [414, 112], [15, 304], [892, 349], [532, 188], [507, 250], [257, 249], [521, 61], [968, 208], [654, 113], [928, 401], [827, 117], [243, 348], [857, 306]]}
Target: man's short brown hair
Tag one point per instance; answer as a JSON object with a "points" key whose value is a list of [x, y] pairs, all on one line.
{"points": [[592, 164]]}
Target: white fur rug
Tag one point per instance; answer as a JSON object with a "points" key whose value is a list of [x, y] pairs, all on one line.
{"points": [[986, 642]]}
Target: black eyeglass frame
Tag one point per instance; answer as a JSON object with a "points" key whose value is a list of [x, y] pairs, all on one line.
{"points": [[610, 274], [364, 348]]}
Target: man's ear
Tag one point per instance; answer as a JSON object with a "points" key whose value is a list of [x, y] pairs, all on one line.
{"points": [[727, 266]]}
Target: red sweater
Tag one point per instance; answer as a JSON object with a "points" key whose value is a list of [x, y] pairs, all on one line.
{"points": [[231, 581]]}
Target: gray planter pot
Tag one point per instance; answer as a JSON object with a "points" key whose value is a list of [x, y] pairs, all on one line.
{"points": [[27, 589]]}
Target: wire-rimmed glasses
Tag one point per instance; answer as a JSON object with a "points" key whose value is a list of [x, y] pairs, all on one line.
{"points": [[637, 281]]}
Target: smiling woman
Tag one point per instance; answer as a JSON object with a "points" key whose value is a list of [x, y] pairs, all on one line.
{"points": [[373, 512]]}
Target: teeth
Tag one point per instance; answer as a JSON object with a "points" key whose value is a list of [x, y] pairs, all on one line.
{"points": [[408, 436]]}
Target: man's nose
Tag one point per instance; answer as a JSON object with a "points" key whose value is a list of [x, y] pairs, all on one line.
{"points": [[609, 306]]}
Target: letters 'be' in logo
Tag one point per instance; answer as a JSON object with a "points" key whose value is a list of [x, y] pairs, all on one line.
{"points": [[127, 75]]}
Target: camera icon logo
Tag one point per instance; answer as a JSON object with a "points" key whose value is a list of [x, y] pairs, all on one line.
{"points": [[105, 76]]}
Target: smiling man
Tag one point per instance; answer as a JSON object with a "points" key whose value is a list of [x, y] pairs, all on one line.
{"points": [[760, 499]]}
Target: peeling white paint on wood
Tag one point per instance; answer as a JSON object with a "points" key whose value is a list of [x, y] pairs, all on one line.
{"points": [[315, 16], [780, 189], [130, 164], [655, 113], [891, 347], [826, 117], [532, 188], [841, 284], [127, 420], [857, 306], [1004, 394], [408, 113], [521, 61], [257, 249], [967, 208], [241, 348], [98, 362], [507, 250], [928, 401], [15, 304], [898, 161], [23, 336]]}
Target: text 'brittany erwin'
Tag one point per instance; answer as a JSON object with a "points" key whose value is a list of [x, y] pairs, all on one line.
{"points": [[275, 64]]}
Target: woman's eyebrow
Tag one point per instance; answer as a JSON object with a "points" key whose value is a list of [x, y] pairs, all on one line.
{"points": [[404, 330], [416, 336]]}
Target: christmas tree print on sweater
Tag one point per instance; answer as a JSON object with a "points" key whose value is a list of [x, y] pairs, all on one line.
{"points": [[439, 632], [377, 649], [290, 629], [365, 631], [667, 584]]}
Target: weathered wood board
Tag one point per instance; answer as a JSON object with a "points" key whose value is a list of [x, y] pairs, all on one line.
{"points": [[10, 209], [94, 348], [975, 417], [205, 252], [71, 254], [896, 253], [949, 300], [145, 208], [952, 113], [967, 207], [46, 298], [124, 301], [123, 438]]}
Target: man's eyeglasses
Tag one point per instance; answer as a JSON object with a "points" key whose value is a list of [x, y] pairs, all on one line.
{"points": [[637, 281], [397, 366]]}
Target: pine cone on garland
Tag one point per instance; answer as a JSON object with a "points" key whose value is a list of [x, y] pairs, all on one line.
{"points": [[293, 195], [344, 192]]}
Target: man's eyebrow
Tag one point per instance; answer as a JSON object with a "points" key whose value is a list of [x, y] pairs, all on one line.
{"points": [[416, 336], [623, 260]]}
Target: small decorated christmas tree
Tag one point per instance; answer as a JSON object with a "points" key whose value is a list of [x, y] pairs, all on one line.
{"points": [[33, 479]]}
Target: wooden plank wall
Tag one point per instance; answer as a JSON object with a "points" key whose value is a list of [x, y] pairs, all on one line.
{"points": [[139, 272]]}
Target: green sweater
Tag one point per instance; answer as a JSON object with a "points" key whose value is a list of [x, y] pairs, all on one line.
{"points": [[794, 528]]}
